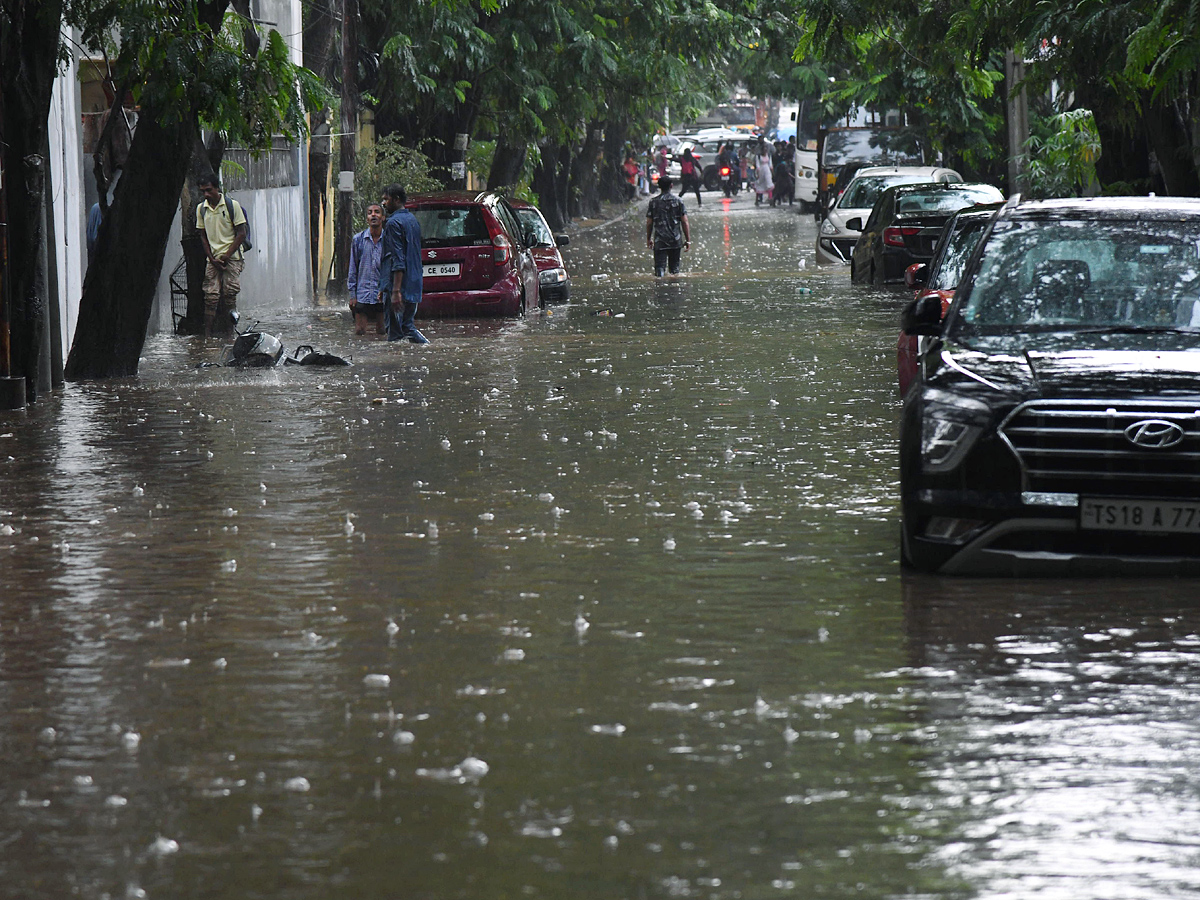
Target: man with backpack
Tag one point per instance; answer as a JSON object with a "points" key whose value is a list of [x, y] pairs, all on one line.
{"points": [[223, 230]]}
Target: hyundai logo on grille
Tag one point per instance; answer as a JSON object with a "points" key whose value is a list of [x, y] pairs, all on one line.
{"points": [[1155, 434]]}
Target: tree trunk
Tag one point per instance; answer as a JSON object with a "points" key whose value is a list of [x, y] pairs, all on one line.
{"points": [[612, 185], [585, 185], [118, 290], [348, 151], [28, 64], [201, 165], [507, 163], [546, 182], [1172, 146], [320, 29]]}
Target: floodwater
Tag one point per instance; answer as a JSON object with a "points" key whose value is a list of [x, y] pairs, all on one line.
{"points": [[581, 606]]}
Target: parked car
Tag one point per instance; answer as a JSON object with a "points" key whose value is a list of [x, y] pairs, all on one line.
{"points": [[1054, 428], [554, 285], [477, 260], [835, 240], [939, 277], [904, 225]]}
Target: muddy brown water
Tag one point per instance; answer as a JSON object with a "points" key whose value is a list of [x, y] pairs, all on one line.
{"points": [[585, 605]]}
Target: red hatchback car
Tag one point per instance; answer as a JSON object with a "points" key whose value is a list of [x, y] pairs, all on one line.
{"points": [[554, 283], [477, 261]]}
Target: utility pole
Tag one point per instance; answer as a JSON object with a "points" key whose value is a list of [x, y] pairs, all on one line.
{"points": [[348, 140], [1017, 109]]}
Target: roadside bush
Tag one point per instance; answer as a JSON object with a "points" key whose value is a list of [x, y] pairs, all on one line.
{"points": [[1062, 159], [387, 161]]}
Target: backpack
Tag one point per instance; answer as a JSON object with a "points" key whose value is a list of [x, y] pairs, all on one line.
{"points": [[246, 245]]}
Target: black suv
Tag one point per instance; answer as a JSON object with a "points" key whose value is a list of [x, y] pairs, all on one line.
{"points": [[1055, 427]]}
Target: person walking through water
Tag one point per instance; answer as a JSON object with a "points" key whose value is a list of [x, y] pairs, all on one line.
{"points": [[667, 232], [764, 182], [689, 175], [362, 281], [400, 270], [222, 226]]}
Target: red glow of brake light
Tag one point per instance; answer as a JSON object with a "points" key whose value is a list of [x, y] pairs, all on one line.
{"points": [[894, 235], [724, 170]]}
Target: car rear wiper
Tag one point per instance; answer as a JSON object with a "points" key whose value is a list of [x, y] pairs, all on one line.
{"points": [[1140, 329]]}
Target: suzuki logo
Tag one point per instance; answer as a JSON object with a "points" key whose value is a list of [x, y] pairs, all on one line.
{"points": [[433, 254], [1154, 434]]}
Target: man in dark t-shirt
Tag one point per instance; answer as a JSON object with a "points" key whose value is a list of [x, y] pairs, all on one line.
{"points": [[667, 231]]}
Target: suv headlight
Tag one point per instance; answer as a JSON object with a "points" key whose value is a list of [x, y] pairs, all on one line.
{"points": [[552, 276], [950, 425], [827, 227]]}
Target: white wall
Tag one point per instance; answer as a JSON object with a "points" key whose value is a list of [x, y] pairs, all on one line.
{"points": [[278, 273], [67, 196]]}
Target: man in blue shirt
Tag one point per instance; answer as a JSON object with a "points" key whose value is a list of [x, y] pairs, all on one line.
{"points": [[400, 271], [362, 281]]}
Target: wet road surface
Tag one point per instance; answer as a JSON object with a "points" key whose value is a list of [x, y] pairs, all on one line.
{"points": [[585, 605]]}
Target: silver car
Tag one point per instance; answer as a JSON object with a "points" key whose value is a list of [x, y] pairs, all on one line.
{"points": [[835, 242]]}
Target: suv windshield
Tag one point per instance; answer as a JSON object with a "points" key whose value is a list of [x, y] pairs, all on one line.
{"points": [[863, 192], [1100, 274], [452, 226]]}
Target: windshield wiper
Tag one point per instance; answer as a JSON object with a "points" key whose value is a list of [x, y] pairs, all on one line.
{"points": [[1140, 329]]}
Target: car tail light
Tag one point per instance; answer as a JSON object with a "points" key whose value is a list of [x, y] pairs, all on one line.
{"points": [[501, 245], [894, 235], [502, 249]]}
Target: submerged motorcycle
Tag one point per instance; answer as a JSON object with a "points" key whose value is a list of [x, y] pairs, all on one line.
{"points": [[255, 349]]}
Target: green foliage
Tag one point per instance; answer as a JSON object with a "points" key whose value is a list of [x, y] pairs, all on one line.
{"points": [[176, 67], [389, 160], [1063, 164], [479, 161]]}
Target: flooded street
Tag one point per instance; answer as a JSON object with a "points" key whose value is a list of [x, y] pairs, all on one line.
{"points": [[602, 603]]}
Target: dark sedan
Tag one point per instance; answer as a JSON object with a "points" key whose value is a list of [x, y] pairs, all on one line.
{"points": [[1055, 424], [904, 226]]}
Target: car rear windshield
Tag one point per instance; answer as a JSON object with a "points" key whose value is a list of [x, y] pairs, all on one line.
{"points": [[946, 201], [452, 226], [864, 191], [1072, 275]]}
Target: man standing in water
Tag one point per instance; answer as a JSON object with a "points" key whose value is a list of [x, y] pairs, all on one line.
{"points": [[667, 231], [400, 269], [222, 226], [362, 281]]}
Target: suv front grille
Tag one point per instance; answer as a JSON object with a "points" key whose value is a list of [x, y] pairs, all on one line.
{"points": [[1080, 446]]}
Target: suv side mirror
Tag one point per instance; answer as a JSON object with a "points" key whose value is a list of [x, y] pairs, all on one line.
{"points": [[917, 275], [562, 240], [923, 315], [855, 224]]}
